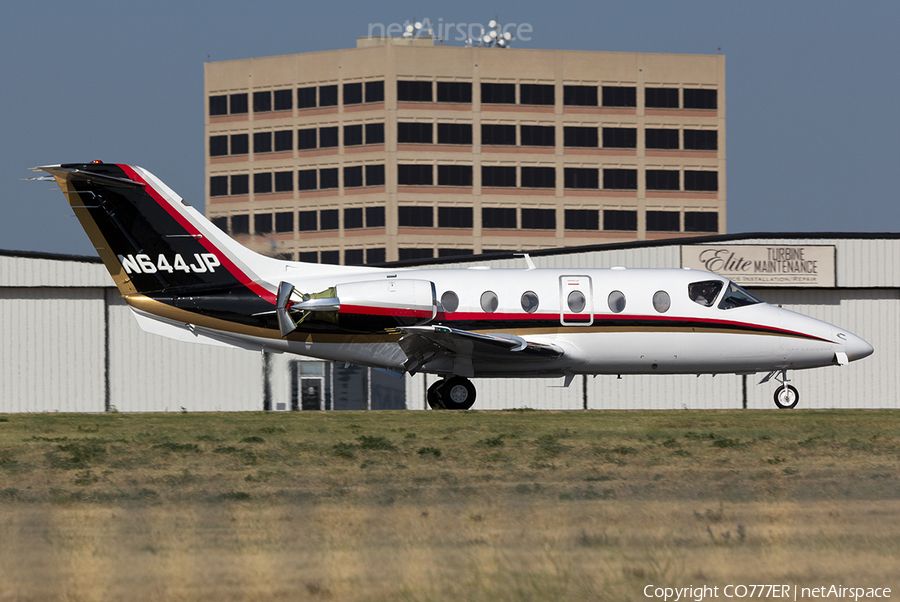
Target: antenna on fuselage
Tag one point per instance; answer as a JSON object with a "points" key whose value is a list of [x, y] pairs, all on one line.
{"points": [[528, 260]]}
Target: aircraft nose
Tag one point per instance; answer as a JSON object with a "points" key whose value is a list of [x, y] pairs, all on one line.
{"points": [[856, 347]]}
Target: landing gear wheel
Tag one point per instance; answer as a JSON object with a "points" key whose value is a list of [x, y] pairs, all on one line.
{"points": [[786, 397], [434, 395], [457, 393]]}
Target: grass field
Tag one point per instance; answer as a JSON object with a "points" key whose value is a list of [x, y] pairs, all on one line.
{"points": [[417, 506]]}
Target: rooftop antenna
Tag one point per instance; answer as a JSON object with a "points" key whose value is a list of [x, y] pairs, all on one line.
{"points": [[493, 37]]}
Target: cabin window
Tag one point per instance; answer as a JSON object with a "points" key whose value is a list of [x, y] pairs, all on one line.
{"points": [[616, 302], [735, 296], [450, 302], [530, 301], [576, 301], [704, 293], [661, 301], [489, 301]]}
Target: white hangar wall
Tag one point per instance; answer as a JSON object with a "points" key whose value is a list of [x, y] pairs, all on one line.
{"points": [[865, 300]]}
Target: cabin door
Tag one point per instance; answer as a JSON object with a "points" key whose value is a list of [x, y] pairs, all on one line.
{"points": [[576, 300]]}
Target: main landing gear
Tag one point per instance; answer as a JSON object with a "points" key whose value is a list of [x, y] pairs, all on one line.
{"points": [[786, 396], [454, 393]]}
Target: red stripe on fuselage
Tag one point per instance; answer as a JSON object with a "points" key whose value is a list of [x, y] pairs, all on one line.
{"points": [[187, 225]]}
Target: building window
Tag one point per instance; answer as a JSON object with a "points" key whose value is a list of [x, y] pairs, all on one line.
{"points": [[307, 221], [374, 133], [700, 99], [454, 175], [538, 177], [240, 224], [576, 136], [701, 139], [284, 221], [417, 133], [284, 140], [307, 180], [218, 186], [331, 257], [454, 217], [662, 221], [701, 181], [353, 94], [240, 184], [415, 253], [454, 133], [661, 98], [306, 139], [701, 221], [306, 97], [262, 102], [619, 96], [538, 135], [308, 256], [237, 104], [353, 176], [353, 218], [620, 179], [660, 138], [413, 91], [374, 217], [240, 144], [663, 179], [375, 256], [454, 253], [619, 137], [415, 217], [262, 142], [262, 223], [498, 94], [328, 96], [218, 105], [539, 219], [328, 137], [582, 219], [328, 178], [375, 175], [220, 222], [584, 96], [581, 177], [454, 92], [283, 100], [619, 220], [353, 256], [500, 176], [375, 91], [262, 183], [218, 146], [353, 135], [498, 217], [536, 94], [284, 181], [495, 134], [415, 175], [328, 219]]}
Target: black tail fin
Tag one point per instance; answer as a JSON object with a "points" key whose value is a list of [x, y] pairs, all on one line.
{"points": [[150, 240]]}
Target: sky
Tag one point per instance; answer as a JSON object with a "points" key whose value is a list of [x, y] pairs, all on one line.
{"points": [[812, 91]]}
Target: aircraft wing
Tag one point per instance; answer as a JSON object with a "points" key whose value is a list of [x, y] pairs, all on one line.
{"points": [[423, 344]]}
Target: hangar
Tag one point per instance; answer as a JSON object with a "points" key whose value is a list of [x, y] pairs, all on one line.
{"points": [[69, 343]]}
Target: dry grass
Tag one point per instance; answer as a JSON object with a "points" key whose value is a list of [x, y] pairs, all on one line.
{"points": [[432, 506]]}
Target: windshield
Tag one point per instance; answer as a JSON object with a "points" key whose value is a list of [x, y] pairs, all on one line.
{"points": [[705, 292], [735, 296]]}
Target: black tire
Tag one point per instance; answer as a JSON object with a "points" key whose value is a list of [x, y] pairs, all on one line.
{"points": [[457, 393], [434, 395], [786, 398]]}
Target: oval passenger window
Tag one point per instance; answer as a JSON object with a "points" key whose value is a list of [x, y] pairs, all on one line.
{"points": [[489, 301], [661, 301], [616, 302], [576, 301], [530, 301], [450, 302]]}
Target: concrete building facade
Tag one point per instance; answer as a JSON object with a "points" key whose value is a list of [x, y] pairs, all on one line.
{"points": [[400, 149]]}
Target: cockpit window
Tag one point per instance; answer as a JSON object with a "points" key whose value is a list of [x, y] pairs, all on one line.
{"points": [[735, 296], [705, 292]]}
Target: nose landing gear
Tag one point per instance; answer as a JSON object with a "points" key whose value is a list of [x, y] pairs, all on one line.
{"points": [[455, 393], [786, 396]]}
